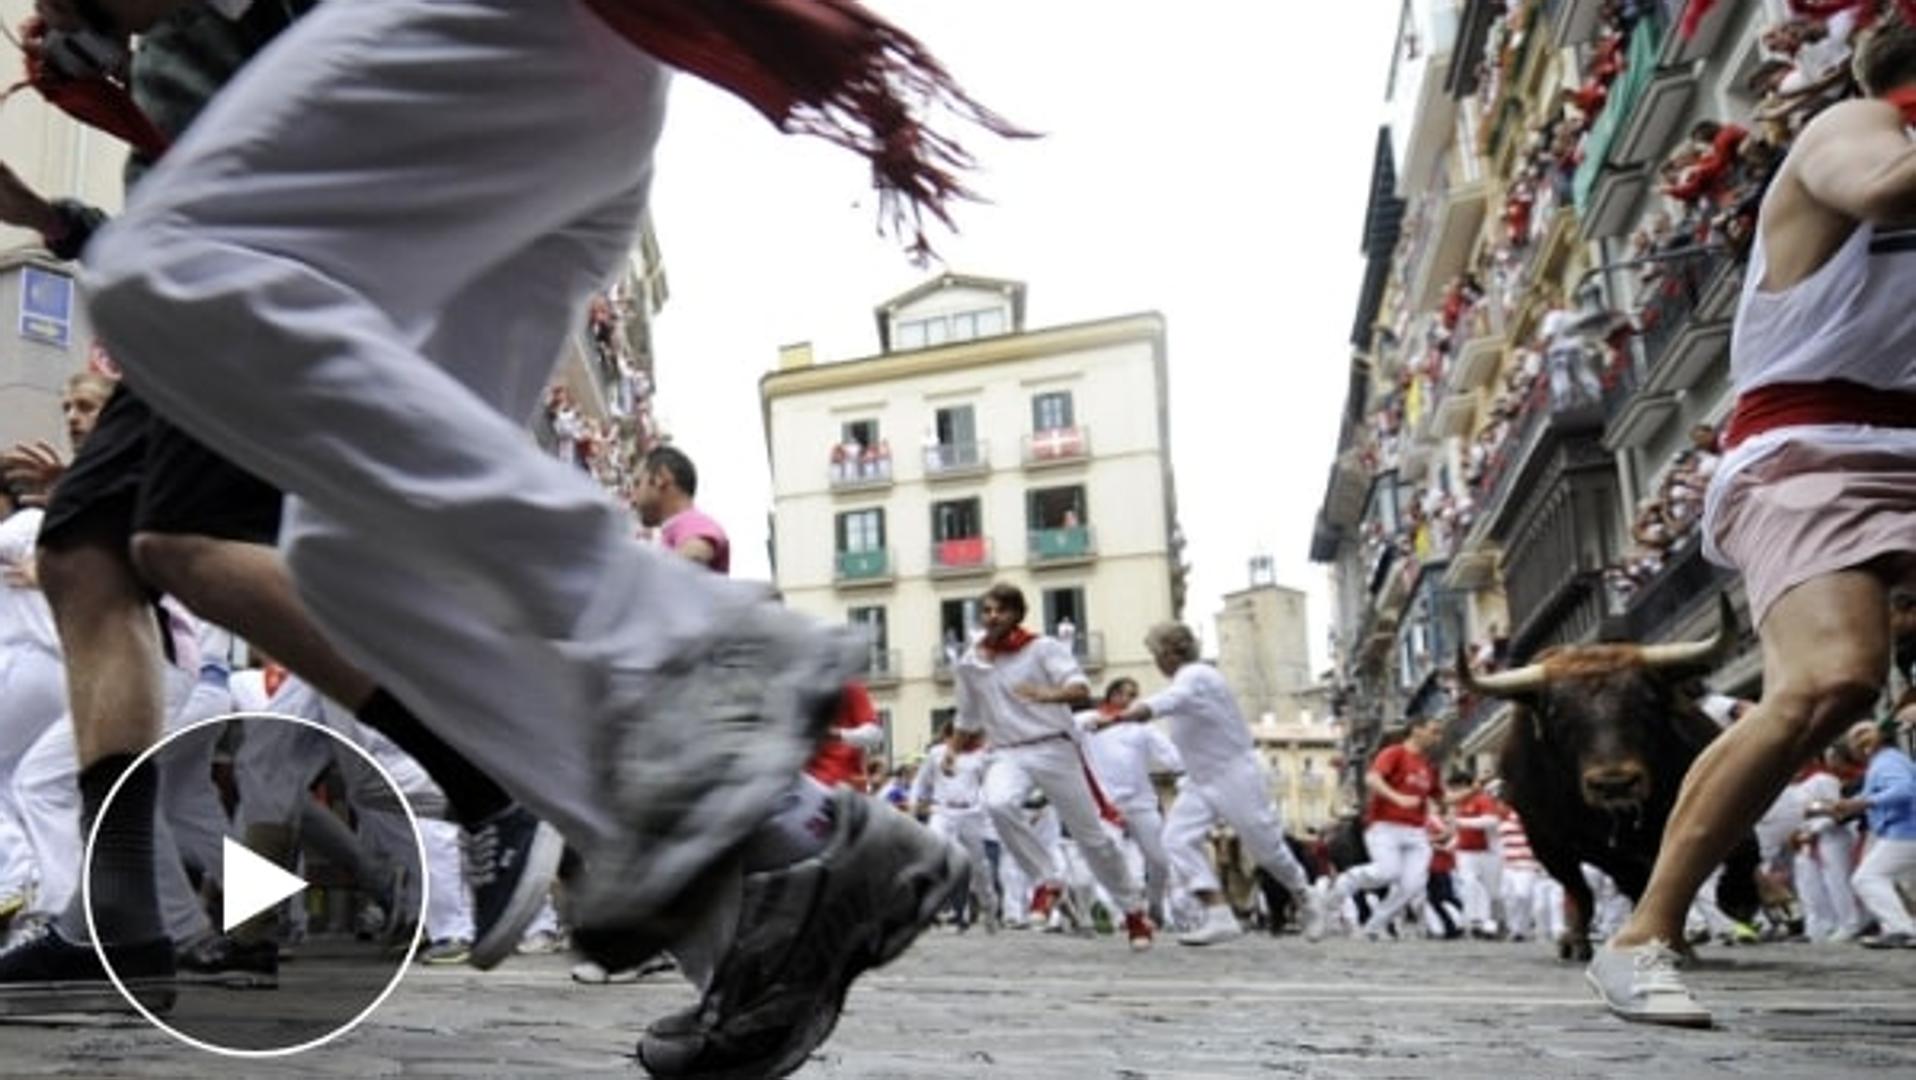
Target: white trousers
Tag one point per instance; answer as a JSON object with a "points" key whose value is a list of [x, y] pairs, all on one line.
{"points": [[1056, 769], [33, 698], [1239, 796], [1822, 878], [1478, 885], [448, 902], [355, 274], [1887, 864], [1144, 829], [47, 790], [1520, 899], [1399, 862], [967, 829]]}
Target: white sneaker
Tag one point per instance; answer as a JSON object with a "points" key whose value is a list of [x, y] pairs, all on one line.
{"points": [[592, 973], [1313, 903], [1641, 984], [1219, 926]]}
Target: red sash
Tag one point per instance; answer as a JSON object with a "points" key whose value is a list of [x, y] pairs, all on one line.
{"points": [[1833, 401]]}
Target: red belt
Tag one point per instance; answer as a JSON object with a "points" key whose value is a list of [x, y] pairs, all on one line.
{"points": [[1834, 401]]}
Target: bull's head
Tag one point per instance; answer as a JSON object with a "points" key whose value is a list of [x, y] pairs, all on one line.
{"points": [[1604, 707]]}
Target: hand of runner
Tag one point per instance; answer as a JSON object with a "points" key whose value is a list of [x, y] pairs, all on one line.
{"points": [[24, 574], [32, 468], [21, 206]]}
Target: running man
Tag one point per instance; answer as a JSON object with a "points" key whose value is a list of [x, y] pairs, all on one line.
{"points": [[1815, 500]]}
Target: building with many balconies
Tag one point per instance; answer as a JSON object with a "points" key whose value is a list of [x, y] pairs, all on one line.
{"points": [[1555, 237], [972, 449]]}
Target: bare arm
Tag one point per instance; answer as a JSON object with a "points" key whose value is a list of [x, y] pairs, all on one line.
{"points": [[699, 550], [1857, 159]]}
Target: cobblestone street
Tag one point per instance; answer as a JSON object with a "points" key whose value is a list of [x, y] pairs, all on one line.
{"points": [[1031, 1006]]}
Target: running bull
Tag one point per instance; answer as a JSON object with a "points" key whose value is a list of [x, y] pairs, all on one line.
{"points": [[1600, 741]]}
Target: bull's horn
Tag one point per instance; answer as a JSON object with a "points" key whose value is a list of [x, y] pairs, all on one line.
{"points": [[1698, 656], [1523, 680]]}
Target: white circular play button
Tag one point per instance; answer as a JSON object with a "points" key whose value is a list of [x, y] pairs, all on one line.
{"points": [[319, 879]]}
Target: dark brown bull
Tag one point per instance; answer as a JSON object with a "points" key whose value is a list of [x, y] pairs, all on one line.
{"points": [[1599, 743]]}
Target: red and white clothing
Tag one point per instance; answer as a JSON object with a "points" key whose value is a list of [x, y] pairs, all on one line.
{"points": [[1820, 473], [1479, 867], [1124, 756], [856, 732], [1036, 745], [1523, 878], [1223, 782], [1395, 837]]}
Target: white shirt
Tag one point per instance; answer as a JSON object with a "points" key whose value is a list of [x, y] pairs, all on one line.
{"points": [[25, 619], [962, 789], [987, 692], [1124, 755], [1204, 721]]}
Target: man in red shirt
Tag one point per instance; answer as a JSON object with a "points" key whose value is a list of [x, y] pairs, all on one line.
{"points": [[856, 732], [1475, 813], [1401, 782]]}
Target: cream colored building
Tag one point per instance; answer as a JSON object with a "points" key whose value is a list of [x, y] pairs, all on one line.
{"points": [[1264, 650], [971, 450], [44, 337], [1301, 755]]}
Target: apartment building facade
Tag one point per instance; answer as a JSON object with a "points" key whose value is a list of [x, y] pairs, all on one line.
{"points": [[971, 449]]}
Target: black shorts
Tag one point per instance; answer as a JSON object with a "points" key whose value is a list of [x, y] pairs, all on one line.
{"points": [[138, 473]]}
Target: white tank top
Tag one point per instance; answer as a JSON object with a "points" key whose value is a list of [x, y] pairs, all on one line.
{"points": [[1853, 319]]}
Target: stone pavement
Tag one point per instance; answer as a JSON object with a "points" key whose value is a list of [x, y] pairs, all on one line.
{"points": [[1025, 1006]]}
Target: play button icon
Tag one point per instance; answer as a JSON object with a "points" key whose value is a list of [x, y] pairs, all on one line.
{"points": [[251, 884], [289, 871]]}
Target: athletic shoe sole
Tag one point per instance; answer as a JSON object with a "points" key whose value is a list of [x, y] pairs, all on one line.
{"points": [[501, 939], [1698, 1021], [935, 888]]}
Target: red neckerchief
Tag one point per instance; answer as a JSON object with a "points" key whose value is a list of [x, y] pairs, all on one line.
{"points": [[1109, 709], [828, 68], [1904, 98], [1013, 643]]}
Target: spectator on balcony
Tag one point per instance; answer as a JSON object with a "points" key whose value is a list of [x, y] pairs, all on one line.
{"points": [[1815, 500], [668, 483], [1067, 632]]}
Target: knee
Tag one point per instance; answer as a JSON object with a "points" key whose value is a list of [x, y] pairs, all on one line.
{"points": [[169, 563], [1825, 701]]}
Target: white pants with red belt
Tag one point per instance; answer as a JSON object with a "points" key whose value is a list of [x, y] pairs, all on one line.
{"points": [[1056, 768], [355, 275]]}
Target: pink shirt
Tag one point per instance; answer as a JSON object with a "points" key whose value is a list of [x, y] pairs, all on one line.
{"points": [[693, 524]]}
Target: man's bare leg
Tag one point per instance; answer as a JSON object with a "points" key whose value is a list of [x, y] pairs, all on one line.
{"points": [[245, 588], [1825, 651], [111, 643]]}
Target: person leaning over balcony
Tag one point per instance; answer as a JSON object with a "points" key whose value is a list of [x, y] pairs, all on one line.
{"points": [[1815, 498]]}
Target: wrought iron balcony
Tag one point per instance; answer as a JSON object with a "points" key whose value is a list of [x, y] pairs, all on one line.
{"points": [[950, 460], [856, 569], [961, 557], [1058, 446], [884, 668], [1065, 546]]}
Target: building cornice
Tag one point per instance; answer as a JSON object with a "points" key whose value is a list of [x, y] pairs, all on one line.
{"points": [[1007, 348]]}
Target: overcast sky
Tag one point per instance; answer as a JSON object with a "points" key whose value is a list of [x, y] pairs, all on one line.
{"points": [[1207, 159]]}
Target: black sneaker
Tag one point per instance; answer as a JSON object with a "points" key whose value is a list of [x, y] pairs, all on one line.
{"points": [[48, 974], [805, 933], [510, 861], [219, 960]]}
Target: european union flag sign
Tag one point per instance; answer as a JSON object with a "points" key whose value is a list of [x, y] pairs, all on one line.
{"points": [[46, 306]]}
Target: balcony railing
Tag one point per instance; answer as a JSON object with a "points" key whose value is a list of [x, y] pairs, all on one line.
{"points": [[1088, 647], [863, 475], [1056, 547], [942, 657], [961, 557], [1058, 446], [1686, 580], [884, 668], [947, 460], [1673, 302], [859, 568]]}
